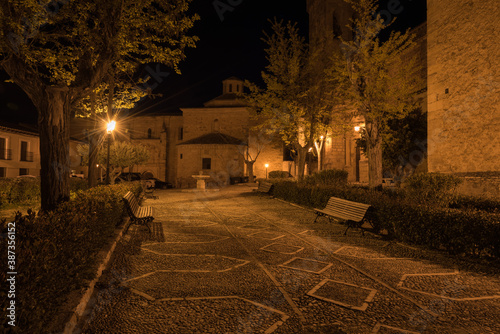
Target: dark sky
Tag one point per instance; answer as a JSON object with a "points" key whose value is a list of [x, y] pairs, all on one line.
{"points": [[230, 45]]}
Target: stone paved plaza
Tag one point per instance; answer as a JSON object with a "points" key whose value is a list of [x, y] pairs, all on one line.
{"points": [[235, 261]]}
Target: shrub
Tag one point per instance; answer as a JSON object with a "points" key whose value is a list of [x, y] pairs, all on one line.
{"points": [[458, 231], [19, 191], [278, 174], [56, 252], [432, 188], [328, 177]]}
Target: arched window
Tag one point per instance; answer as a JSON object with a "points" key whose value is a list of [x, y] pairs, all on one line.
{"points": [[337, 30], [216, 126], [149, 133]]}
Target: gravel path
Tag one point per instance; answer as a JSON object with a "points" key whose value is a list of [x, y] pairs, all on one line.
{"points": [[236, 261]]}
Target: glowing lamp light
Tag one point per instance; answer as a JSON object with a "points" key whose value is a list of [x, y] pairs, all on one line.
{"points": [[357, 128], [111, 126], [266, 165]]}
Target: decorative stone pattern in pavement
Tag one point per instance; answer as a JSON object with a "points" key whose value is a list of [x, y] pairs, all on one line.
{"points": [[454, 286], [383, 329], [211, 266], [363, 253], [312, 266], [282, 248], [175, 238], [267, 235], [343, 294]]}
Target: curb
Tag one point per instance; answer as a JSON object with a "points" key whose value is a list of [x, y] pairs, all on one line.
{"points": [[82, 306]]}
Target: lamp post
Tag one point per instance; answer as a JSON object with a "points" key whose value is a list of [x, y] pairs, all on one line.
{"points": [[267, 165], [109, 130]]}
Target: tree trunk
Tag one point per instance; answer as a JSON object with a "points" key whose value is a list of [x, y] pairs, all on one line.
{"points": [[93, 152], [374, 151], [53, 125], [250, 164], [301, 160], [93, 146]]}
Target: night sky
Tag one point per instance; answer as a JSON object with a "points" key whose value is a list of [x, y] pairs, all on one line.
{"points": [[230, 45]]}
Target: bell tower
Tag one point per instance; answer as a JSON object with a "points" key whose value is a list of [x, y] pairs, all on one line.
{"points": [[328, 21]]}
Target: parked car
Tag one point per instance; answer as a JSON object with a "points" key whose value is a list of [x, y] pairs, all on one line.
{"points": [[159, 184], [128, 177]]}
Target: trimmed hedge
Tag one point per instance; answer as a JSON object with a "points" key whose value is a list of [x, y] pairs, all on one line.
{"points": [[328, 177], [24, 191], [56, 252], [432, 188], [463, 231], [278, 174]]}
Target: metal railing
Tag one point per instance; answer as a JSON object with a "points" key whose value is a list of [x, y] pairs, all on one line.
{"points": [[6, 154], [27, 156]]}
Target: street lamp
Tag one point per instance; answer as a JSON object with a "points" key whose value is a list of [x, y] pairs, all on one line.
{"points": [[110, 127], [267, 165]]}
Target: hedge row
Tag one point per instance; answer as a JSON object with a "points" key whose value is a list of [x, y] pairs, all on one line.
{"points": [[464, 231], [56, 252], [26, 191]]}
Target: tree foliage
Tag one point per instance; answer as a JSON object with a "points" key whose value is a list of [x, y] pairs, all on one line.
{"points": [[380, 78], [297, 101], [122, 154], [60, 51]]}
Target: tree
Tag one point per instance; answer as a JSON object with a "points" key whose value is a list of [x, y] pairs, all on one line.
{"points": [[120, 94], [403, 143], [59, 52], [123, 154], [250, 152], [297, 101], [380, 78]]}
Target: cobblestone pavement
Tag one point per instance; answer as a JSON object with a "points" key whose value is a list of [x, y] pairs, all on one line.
{"points": [[236, 261]]}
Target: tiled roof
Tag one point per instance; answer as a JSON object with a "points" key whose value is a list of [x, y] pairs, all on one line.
{"points": [[216, 138]]}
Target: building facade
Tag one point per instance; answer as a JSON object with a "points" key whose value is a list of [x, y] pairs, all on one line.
{"points": [[464, 92], [20, 151]]}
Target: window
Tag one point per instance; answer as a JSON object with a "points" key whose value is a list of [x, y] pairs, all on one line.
{"points": [[181, 155], [230, 88], [4, 152], [149, 133], [337, 30], [24, 171], [25, 155], [181, 133], [206, 163], [237, 88], [3, 171], [216, 126]]}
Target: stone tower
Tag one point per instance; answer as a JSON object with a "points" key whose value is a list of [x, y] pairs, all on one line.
{"points": [[329, 20], [464, 88]]}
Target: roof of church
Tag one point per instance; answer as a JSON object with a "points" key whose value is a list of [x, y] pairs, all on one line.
{"points": [[214, 138], [233, 78], [226, 100]]}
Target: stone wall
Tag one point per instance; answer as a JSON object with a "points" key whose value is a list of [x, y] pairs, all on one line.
{"points": [[463, 86], [229, 121], [481, 186]]}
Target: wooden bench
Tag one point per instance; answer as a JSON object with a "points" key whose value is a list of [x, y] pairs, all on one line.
{"points": [[352, 212], [264, 187], [140, 215]]}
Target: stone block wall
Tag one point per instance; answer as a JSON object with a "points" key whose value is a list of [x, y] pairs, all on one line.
{"points": [[463, 86], [230, 121]]}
